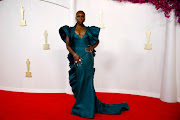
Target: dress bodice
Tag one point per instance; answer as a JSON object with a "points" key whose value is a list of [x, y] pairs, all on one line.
{"points": [[80, 42]]}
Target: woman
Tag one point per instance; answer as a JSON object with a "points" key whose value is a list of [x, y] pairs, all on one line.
{"points": [[81, 42]]}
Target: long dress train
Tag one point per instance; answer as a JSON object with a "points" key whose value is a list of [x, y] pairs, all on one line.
{"points": [[81, 76]]}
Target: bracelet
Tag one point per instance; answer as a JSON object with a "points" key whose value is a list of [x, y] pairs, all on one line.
{"points": [[74, 55]]}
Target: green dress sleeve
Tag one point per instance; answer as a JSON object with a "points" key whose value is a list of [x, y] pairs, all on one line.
{"points": [[95, 34], [63, 31]]}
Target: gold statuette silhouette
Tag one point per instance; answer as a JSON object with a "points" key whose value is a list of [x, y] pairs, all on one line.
{"points": [[100, 25], [148, 45], [23, 22], [46, 46], [28, 74]]}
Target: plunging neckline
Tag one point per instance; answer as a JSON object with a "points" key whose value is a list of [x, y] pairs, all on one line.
{"points": [[79, 36]]}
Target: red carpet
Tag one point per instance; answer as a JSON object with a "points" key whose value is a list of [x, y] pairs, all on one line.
{"points": [[57, 106]]}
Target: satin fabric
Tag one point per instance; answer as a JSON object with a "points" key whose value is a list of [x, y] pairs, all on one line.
{"points": [[81, 77]]}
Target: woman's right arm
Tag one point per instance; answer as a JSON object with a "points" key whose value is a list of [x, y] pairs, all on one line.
{"points": [[76, 57], [68, 47]]}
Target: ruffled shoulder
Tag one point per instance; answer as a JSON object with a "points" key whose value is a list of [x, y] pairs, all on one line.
{"points": [[63, 31], [95, 34]]}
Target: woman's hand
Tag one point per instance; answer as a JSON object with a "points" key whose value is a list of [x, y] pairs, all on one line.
{"points": [[77, 59], [90, 49]]}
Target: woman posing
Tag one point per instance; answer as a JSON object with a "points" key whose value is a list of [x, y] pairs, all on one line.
{"points": [[81, 42]]}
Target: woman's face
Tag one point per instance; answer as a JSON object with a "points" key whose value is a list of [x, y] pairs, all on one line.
{"points": [[80, 17]]}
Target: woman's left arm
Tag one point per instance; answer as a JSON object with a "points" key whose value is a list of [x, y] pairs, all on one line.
{"points": [[95, 45], [91, 48]]}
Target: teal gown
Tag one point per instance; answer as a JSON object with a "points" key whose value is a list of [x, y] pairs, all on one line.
{"points": [[81, 76]]}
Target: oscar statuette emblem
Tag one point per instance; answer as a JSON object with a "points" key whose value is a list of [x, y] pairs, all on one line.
{"points": [[148, 45], [28, 74], [23, 22], [100, 25], [46, 46]]}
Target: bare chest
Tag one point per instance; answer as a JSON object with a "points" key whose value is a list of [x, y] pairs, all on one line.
{"points": [[80, 32]]}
